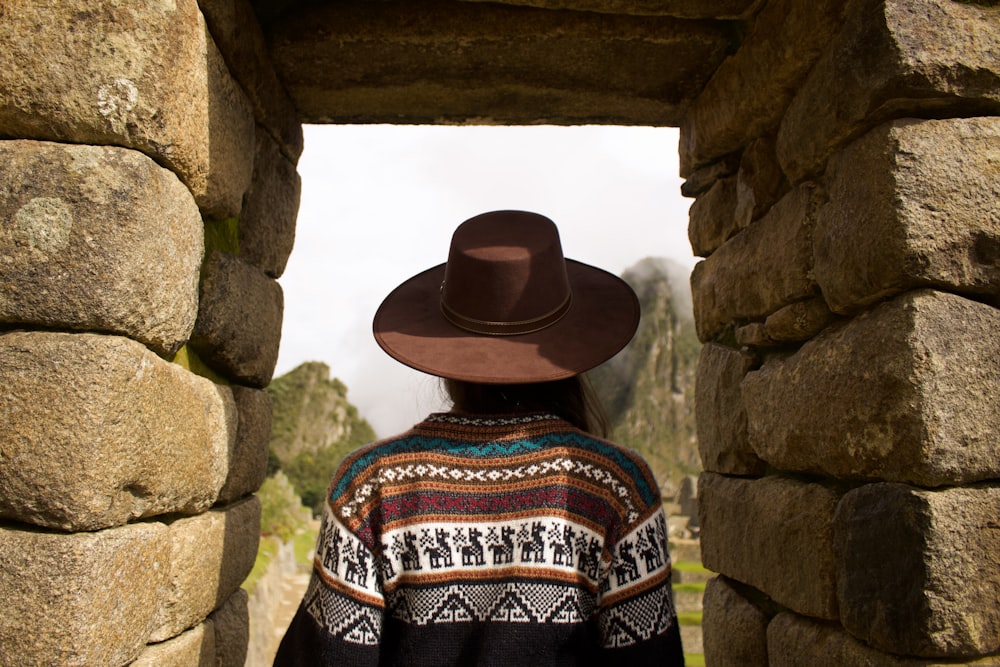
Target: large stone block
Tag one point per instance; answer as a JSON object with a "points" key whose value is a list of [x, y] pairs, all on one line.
{"points": [[891, 59], [238, 34], [795, 641], [774, 534], [493, 63], [905, 392], [231, 622], [194, 648], [912, 203], [918, 571], [760, 182], [701, 9], [238, 329], [722, 419], [267, 225], [749, 92], [80, 599], [734, 628], [798, 321], [99, 239], [248, 455], [765, 267], [711, 218], [211, 555], [141, 75], [98, 430]]}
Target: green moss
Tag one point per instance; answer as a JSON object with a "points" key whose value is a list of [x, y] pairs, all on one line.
{"points": [[694, 660], [693, 587], [689, 617], [223, 235], [187, 358], [265, 554]]}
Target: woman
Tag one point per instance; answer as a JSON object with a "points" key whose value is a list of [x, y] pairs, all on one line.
{"points": [[506, 531]]}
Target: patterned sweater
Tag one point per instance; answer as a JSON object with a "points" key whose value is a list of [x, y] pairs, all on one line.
{"points": [[489, 541]]}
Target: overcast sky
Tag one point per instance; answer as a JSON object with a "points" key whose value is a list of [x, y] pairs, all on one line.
{"points": [[380, 202]]}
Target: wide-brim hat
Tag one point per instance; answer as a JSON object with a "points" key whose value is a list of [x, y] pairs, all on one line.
{"points": [[507, 307]]}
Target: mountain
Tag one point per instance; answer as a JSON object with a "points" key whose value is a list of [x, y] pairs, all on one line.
{"points": [[648, 388], [313, 427]]}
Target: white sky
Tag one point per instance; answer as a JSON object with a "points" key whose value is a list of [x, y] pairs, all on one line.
{"points": [[379, 204]]}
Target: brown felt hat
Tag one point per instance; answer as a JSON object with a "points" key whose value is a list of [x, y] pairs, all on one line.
{"points": [[507, 308]]}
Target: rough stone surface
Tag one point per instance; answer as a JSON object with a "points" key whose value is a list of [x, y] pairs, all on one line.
{"points": [[912, 203], [718, 9], [919, 570], [141, 75], [734, 629], [753, 335], [267, 226], [702, 179], [238, 35], [722, 419], [99, 239], [774, 534], [760, 181], [892, 59], [760, 270], [459, 62], [80, 599], [194, 648], [231, 622], [795, 641], [248, 455], [906, 392], [748, 94], [210, 556], [239, 320], [711, 218], [798, 321], [98, 431]]}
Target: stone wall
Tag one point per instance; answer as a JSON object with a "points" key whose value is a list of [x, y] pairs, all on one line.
{"points": [[148, 196], [848, 210], [844, 157]]}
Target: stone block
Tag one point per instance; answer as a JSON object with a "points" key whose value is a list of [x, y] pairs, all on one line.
{"points": [[99, 431], [760, 181], [491, 63], [140, 75], [232, 630], [236, 31], [239, 320], [702, 179], [711, 218], [912, 203], [248, 455], [891, 59], [734, 630], [691, 9], [749, 92], [753, 335], [194, 648], [722, 419], [798, 321], [82, 598], [774, 534], [210, 556], [267, 225], [100, 239], [760, 270], [919, 570], [906, 392]]}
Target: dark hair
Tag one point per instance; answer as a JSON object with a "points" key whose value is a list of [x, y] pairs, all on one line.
{"points": [[572, 399]]}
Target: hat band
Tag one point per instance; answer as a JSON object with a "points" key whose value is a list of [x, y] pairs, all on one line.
{"points": [[507, 328]]}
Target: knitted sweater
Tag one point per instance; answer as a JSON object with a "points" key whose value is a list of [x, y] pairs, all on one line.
{"points": [[489, 541]]}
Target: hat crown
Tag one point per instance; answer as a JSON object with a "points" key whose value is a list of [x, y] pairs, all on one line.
{"points": [[505, 274]]}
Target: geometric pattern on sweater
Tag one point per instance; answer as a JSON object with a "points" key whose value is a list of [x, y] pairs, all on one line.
{"points": [[497, 601], [638, 618], [343, 616], [499, 520]]}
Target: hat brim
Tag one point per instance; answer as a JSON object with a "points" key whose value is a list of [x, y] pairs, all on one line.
{"points": [[601, 320]]}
